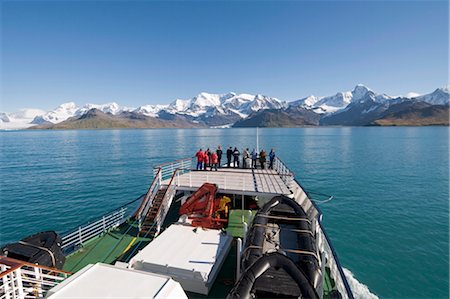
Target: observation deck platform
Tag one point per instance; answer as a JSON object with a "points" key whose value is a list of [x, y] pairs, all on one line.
{"points": [[235, 180]]}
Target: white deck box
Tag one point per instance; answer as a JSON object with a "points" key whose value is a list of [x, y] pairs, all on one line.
{"points": [[107, 281], [191, 256]]}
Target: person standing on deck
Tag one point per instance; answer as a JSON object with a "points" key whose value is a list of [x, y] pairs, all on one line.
{"points": [[245, 156], [236, 155], [214, 161], [209, 156], [199, 156], [219, 156], [254, 157], [262, 158], [205, 160], [271, 158], [229, 155]]}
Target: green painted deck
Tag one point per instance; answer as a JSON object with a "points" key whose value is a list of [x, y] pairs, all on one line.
{"points": [[235, 225], [117, 244]]}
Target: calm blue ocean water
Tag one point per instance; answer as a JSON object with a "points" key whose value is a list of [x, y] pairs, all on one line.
{"points": [[389, 221]]}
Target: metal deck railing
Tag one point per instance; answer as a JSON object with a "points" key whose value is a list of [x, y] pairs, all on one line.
{"points": [[165, 204], [22, 280], [166, 170], [238, 182], [147, 202], [77, 237], [285, 173]]}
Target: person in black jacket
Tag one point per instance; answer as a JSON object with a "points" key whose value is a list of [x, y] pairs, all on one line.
{"points": [[219, 156], [236, 154], [229, 154], [208, 152]]}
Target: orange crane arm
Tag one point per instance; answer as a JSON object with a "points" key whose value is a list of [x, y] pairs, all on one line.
{"points": [[202, 206], [201, 201]]}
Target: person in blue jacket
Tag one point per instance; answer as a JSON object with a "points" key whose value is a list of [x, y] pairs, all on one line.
{"points": [[254, 156], [271, 158]]}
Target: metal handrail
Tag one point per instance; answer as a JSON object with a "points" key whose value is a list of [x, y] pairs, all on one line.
{"points": [[166, 170], [165, 203], [148, 199], [20, 279], [78, 236], [14, 264], [237, 171], [285, 173], [161, 172], [172, 162], [83, 234]]}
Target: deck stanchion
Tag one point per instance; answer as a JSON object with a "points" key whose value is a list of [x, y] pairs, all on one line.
{"points": [[38, 274], [79, 235], [238, 258], [242, 205], [19, 283], [122, 214], [104, 224], [5, 283], [245, 227]]}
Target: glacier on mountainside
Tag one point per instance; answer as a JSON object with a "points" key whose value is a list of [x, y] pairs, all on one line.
{"points": [[19, 120]]}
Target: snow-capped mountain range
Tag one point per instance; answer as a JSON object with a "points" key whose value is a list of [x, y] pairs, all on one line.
{"points": [[202, 105], [339, 101], [206, 104], [229, 106], [66, 110]]}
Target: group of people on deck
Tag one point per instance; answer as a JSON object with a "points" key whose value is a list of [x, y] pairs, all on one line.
{"points": [[209, 158], [212, 158]]}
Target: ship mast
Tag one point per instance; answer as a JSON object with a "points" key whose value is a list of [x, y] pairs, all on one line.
{"points": [[257, 140]]}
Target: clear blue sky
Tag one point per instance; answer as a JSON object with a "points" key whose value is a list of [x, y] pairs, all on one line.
{"points": [[144, 52]]}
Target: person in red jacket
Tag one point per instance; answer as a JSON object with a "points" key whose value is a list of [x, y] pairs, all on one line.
{"points": [[205, 160], [214, 160], [199, 156]]}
